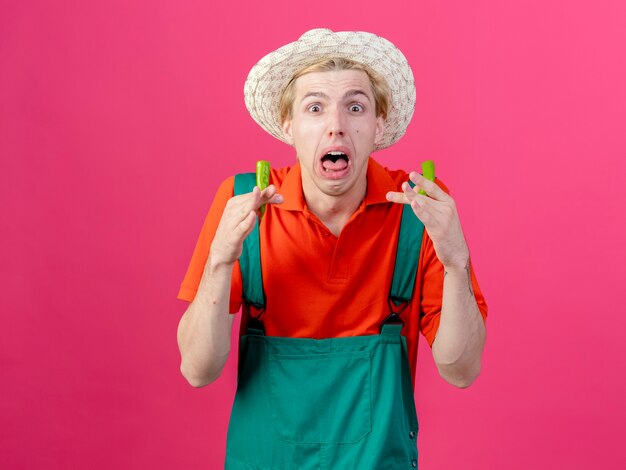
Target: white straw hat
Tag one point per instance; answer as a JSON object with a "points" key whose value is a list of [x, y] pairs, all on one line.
{"points": [[269, 77]]}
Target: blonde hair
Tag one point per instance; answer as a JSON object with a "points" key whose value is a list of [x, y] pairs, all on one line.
{"points": [[380, 88]]}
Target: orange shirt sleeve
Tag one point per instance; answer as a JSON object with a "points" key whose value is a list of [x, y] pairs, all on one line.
{"points": [[190, 283], [432, 288]]}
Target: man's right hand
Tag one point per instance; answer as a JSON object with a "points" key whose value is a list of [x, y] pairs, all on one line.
{"points": [[237, 222], [205, 329]]}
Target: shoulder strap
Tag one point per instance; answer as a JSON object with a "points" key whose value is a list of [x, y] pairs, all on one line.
{"points": [[250, 260], [407, 256]]}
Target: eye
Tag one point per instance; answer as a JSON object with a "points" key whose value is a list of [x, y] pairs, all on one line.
{"points": [[315, 108], [356, 108]]}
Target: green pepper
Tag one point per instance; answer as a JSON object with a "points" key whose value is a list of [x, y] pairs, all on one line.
{"points": [[262, 178], [428, 172]]}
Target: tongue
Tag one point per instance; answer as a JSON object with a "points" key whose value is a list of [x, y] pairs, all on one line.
{"points": [[339, 164]]}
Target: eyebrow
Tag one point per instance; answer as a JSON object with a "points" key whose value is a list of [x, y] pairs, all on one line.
{"points": [[347, 94], [356, 92]]}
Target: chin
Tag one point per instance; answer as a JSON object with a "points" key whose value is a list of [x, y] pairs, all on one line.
{"points": [[336, 188]]}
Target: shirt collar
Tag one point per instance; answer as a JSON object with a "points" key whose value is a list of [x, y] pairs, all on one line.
{"points": [[379, 183]]}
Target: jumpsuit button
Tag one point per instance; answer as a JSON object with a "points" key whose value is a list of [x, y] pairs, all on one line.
{"points": [[414, 463], [412, 435]]}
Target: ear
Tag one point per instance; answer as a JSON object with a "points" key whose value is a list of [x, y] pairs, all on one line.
{"points": [[380, 129], [287, 131]]}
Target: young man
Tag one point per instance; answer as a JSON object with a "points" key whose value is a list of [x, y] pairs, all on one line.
{"points": [[338, 278]]}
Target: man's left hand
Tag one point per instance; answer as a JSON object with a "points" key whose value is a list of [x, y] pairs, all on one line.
{"points": [[437, 211]]}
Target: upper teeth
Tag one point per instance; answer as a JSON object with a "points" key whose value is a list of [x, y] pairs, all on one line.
{"points": [[336, 153]]}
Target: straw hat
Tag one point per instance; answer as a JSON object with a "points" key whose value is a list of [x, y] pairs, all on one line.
{"points": [[269, 77]]}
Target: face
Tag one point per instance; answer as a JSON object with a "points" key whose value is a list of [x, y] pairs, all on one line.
{"points": [[334, 130]]}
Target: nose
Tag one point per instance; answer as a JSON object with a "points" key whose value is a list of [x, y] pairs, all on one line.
{"points": [[335, 122]]}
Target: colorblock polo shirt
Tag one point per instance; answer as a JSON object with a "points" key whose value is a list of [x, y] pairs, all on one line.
{"points": [[320, 286]]}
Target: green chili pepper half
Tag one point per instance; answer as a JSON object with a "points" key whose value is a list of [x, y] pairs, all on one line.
{"points": [[428, 172], [262, 178]]}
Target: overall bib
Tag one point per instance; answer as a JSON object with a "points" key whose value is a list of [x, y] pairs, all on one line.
{"points": [[335, 403]]}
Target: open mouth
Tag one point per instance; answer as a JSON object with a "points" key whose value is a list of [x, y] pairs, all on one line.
{"points": [[335, 162]]}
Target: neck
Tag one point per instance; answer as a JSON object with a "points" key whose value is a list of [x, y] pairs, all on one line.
{"points": [[334, 211]]}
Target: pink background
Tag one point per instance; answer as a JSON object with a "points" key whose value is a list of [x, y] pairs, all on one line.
{"points": [[119, 119]]}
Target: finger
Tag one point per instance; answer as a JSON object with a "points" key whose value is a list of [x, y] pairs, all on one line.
{"points": [[431, 188], [423, 214], [402, 197], [422, 211], [238, 207], [428, 210], [411, 194], [397, 197], [270, 196], [277, 199], [268, 192], [407, 196], [243, 228], [253, 201]]}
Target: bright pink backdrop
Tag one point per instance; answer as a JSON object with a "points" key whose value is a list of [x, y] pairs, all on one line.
{"points": [[118, 120]]}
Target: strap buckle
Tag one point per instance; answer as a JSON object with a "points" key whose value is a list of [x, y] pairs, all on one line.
{"points": [[396, 310], [254, 325]]}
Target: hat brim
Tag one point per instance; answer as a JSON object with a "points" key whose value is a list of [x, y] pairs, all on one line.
{"points": [[269, 77]]}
